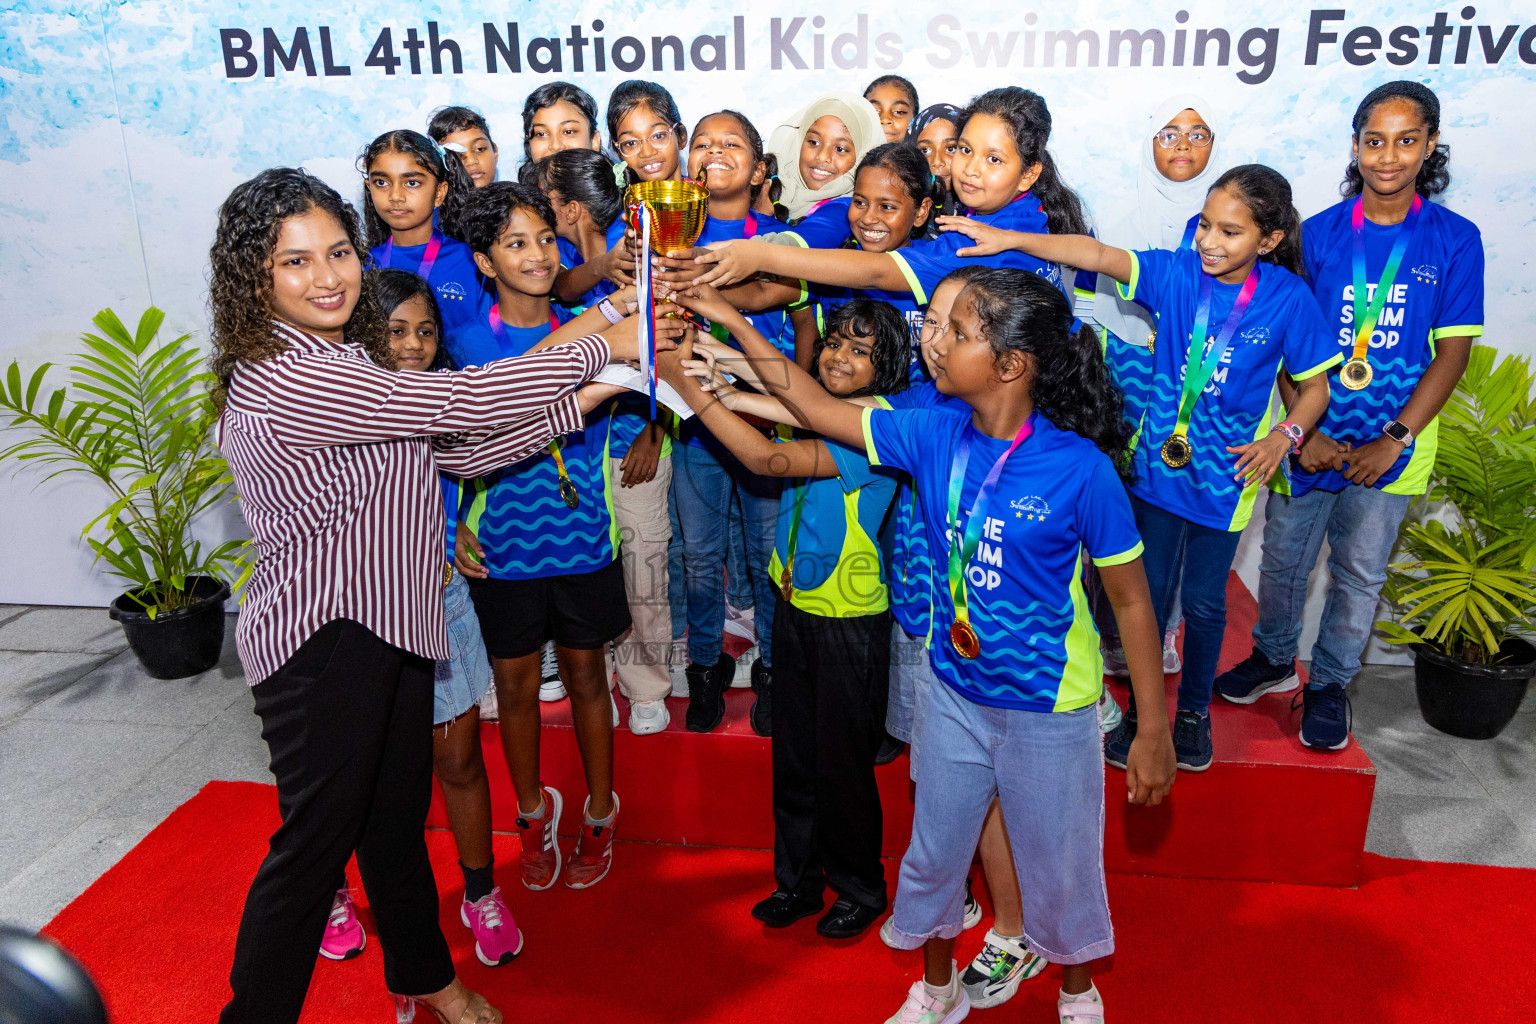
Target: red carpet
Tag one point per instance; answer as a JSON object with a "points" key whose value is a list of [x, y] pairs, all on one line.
{"points": [[667, 938]]}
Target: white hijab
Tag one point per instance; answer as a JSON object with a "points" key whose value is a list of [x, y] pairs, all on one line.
{"points": [[863, 125], [1157, 221]]}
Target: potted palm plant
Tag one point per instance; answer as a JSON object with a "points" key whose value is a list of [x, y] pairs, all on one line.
{"points": [[1464, 595], [137, 419]]}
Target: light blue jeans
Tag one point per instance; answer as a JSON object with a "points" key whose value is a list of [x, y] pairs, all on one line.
{"points": [[461, 680], [1361, 526], [1048, 771]]}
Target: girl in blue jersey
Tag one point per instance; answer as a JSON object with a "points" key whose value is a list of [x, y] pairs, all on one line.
{"points": [[409, 180], [1232, 312], [589, 223], [830, 622], [935, 131], [465, 129], [1400, 281], [817, 149], [1015, 492], [895, 100], [647, 132], [1001, 170], [557, 116]]}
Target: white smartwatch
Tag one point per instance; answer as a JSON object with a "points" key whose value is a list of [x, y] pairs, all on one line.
{"points": [[1399, 433]]}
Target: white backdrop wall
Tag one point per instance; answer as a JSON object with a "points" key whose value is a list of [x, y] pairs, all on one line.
{"points": [[123, 126]]}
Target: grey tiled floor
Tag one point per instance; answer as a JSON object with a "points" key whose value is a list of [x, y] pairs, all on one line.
{"points": [[94, 754]]}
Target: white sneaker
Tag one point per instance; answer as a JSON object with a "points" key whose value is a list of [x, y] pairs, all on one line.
{"points": [[921, 1008], [1171, 662], [998, 970], [1114, 662], [551, 689], [677, 667], [743, 677], [739, 623], [1083, 1008], [972, 908], [648, 716], [1109, 712]]}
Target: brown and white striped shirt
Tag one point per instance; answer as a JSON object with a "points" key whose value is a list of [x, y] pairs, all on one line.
{"points": [[336, 462]]}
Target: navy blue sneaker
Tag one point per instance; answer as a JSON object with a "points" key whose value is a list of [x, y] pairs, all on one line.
{"points": [[1117, 745], [1255, 676], [1326, 717], [1192, 740]]}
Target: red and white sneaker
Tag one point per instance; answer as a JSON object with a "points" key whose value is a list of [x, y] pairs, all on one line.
{"points": [[497, 939], [594, 849], [344, 938], [540, 856]]}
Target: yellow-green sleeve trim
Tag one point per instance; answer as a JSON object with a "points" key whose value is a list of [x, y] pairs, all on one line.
{"points": [[1127, 289], [912, 281], [790, 234], [1460, 331], [869, 439], [1326, 364], [1120, 559], [883, 402]]}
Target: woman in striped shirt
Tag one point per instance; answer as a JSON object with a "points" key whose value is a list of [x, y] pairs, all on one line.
{"points": [[336, 460]]}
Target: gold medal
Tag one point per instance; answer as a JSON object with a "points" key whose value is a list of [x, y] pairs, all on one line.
{"points": [[1356, 374], [1177, 451], [448, 574], [568, 493], [1152, 341], [964, 639], [787, 582]]}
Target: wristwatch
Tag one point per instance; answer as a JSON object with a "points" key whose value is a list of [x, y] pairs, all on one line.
{"points": [[1293, 433], [1399, 433]]}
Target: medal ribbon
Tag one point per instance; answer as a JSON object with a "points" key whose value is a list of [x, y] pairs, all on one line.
{"points": [[428, 257], [794, 535], [499, 329], [1197, 372], [647, 295], [961, 552], [1366, 316]]}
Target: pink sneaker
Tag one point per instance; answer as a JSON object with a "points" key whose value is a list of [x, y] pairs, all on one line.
{"points": [[539, 859], [497, 940], [344, 938]]}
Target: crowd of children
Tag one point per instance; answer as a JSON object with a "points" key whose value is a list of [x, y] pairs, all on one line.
{"points": [[954, 452]]}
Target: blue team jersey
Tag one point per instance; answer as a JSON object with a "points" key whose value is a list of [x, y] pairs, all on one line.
{"points": [[524, 526], [1058, 497], [570, 256], [911, 566], [928, 261], [825, 227], [1438, 293], [1283, 328], [455, 280], [452, 490]]}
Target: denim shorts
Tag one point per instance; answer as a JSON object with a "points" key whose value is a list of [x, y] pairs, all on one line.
{"points": [[911, 676], [463, 679], [1048, 770]]}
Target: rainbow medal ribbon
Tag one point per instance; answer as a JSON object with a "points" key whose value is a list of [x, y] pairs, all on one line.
{"points": [[647, 295], [1356, 373], [568, 492], [962, 635], [428, 257], [787, 577], [1177, 451]]}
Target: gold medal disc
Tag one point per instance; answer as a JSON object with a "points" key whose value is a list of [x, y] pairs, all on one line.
{"points": [[1177, 451], [1356, 374], [964, 639], [787, 583], [568, 493]]}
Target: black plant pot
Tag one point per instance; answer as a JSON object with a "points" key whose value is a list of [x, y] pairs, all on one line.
{"points": [[180, 643], [1474, 702]]}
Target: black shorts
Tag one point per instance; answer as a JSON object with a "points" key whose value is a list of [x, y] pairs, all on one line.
{"points": [[581, 612]]}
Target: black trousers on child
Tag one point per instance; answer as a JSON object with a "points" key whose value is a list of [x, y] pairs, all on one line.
{"points": [[829, 695], [348, 722]]}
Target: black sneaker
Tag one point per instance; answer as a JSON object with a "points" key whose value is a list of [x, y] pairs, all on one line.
{"points": [[761, 715], [1192, 740], [1117, 745], [890, 750], [1255, 676], [706, 693], [1326, 717], [783, 909], [847, 919], [972, 908]]}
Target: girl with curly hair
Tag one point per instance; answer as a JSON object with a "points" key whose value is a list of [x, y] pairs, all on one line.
{"points": [[336, 458]]}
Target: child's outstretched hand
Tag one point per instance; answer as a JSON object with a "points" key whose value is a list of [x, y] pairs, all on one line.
{"points": [[705, 368], [989, 240], [704, 300], [727, 263], [1259, 459]]}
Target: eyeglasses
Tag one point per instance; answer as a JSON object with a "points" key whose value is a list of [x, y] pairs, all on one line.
{"points": [[1198, 137]]}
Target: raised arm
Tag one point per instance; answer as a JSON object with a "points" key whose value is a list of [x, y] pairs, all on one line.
{"points": [[729, 262], [477, 452], [1080, 251]]}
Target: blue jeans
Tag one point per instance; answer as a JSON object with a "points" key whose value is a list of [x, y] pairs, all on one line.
{"points": [[1188, 562], [703, 484], [1361, 526], [1047, 768], [738, 578]]}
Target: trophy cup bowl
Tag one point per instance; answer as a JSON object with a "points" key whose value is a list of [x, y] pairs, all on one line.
{"points": [[678, 210]]}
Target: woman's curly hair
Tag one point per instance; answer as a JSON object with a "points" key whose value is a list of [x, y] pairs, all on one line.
{"points": [[240, 279]]}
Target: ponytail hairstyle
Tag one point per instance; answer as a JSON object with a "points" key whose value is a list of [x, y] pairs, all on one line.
{"points": [[890, 347], [397, 286], [1267, 195], [901, 83], [1027, 116], [755, 143], [907, 162], [629, 96], [547, 95], [584, 176], [1434, 175], [1022, 312], [490, 210], [447, 120], [240, 272], [443, 164]]}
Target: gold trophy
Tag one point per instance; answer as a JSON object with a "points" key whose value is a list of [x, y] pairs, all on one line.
{"points": [[678, 210]]}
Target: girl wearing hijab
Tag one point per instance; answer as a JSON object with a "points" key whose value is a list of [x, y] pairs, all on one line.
{"points": [[817, 150], [1179, 159], [936, 132]]}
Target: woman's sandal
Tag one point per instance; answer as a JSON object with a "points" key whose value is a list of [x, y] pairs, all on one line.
{"points": [[405, 1010]]}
